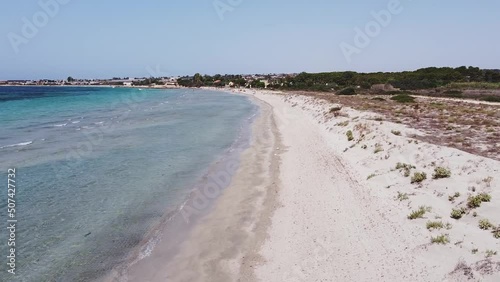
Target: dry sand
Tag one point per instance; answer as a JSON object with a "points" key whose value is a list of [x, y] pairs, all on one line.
{"points": [[309, 205]]}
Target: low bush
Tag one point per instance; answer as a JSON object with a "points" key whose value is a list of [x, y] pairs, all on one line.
{"points": [[441, 239], [396, 132], [419, 213], [457, 213], [418, 177], [434, 225], [347, 91], [441, 172], [485, 224], [403, 98], [350, 136]]}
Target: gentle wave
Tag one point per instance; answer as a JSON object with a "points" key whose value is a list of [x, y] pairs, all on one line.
{"points": [[18, 144]]}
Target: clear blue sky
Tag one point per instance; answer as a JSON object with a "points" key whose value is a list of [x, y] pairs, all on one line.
{"points": [[104, 38]]}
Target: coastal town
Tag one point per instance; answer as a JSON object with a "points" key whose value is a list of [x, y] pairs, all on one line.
{"points": [[159, 82]]}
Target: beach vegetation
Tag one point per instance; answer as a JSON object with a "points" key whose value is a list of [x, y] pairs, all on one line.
{"points": [[419, 213], [431, 225], [405, 167], [485, 224], [350, 136], [403, 98], [347, 91], [496, 232], [441, 239], [441, 172], [402, 196], [475, 201], [452, 198], [457, 213], [490, 253], [371, 176], [418, 177], [474, 251]]}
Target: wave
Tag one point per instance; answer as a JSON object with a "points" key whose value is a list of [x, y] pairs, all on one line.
{"points": [[18, 144]]}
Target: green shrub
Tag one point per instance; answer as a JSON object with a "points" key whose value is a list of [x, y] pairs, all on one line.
{"points": [[378, 99], [484, 197], [457, 213], [490, 99], [485, 224], [441, 239], [347, 91], [402, 196], [496, 232], [406, 167], [350, 136], [434, 225], [475, 201], [418, 177], [419, 213], [441, 172], [490, 253], [403, 98]]}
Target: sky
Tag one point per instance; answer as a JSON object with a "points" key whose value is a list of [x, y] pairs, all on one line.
{"points": [[119, 38]]}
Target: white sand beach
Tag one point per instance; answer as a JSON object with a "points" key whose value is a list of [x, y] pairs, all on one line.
{"points": [[308, 205]]}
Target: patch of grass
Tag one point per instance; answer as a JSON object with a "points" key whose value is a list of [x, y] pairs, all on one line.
{"points": [[402, 196], [406, 167], [419, 213], [418, 177], [364, 147], [441, 172], [434, 225], [475, 201], [448, 226], [378, 99], [496, 232], [441, 239], [474, 214], [491, 98], [350, 136], [371, 176], [474, 251], [457, 213], [485, 224], [485, 197], [396, 132], [403, 98], [490, 253], [452, 198]]}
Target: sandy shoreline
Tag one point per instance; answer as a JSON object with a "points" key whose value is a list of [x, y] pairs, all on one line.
{"points": [[306, 204]]}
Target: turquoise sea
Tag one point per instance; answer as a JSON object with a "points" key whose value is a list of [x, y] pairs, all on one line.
{"points": [[98, 168]]}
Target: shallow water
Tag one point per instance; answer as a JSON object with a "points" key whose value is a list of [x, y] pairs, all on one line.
{"points": [[97, 168]]}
